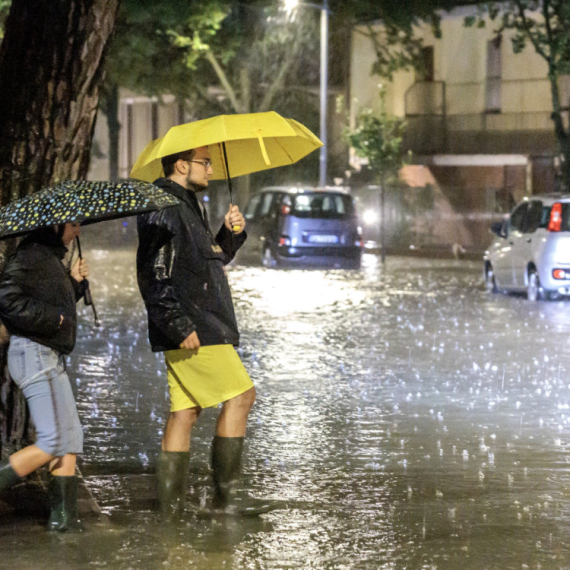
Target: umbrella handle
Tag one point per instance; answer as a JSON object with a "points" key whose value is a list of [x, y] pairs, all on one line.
{"points": [[88, 300], [235, 228], [87, 297]]}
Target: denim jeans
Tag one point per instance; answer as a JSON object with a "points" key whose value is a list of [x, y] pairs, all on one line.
{"points": [[40, 373]]}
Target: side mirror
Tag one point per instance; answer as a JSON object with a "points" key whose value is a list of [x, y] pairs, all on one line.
{"points": [[499, 229]]}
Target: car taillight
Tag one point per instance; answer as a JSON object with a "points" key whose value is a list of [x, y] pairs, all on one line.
{"points": [[284, 240], [285, 209], [555, 222]]}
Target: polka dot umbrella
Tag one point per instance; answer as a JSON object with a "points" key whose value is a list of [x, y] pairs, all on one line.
{"points": [[81, 201]]}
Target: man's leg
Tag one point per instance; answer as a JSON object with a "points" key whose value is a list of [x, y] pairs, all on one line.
{"points": [[172, 468], [233, 417], [226, 458]]}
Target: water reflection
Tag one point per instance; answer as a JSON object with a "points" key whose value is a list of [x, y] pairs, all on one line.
{"points": [[405, 418]]}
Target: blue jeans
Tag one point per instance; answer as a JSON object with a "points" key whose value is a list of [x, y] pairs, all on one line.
{"points": [[40, 373]]}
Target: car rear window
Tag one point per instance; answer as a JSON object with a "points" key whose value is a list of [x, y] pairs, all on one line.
{"points": [[322, 205]]}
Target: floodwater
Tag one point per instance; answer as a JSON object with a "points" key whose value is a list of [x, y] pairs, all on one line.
{"points": [[406, 419]]}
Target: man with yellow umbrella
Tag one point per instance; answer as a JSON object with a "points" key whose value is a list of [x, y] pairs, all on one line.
{"points": [[181, 276]]}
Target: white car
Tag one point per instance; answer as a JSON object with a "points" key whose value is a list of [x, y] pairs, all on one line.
{"points": [[531, 250]]}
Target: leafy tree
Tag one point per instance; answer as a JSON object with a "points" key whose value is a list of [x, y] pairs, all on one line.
{"points": [[143, 58], [377, 137], [47, 113], [261, 58], [544, 25]]}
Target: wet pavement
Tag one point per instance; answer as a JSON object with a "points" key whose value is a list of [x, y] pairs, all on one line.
{"points": [[405, 419]]}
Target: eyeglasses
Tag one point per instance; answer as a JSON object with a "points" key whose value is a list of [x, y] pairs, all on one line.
{"points": [[205, 163]]}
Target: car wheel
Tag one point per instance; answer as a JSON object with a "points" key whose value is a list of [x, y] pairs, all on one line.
{"points": [[535, 291], [490, 283], [267, 259]]}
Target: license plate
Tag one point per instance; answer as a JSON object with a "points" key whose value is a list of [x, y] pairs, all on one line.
{"points": [[318, 238]]}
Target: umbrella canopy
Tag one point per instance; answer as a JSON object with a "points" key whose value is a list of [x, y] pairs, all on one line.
{"points": [[85, 202], [253, 142]]}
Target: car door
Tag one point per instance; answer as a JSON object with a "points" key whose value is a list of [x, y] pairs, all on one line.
{"points": [[499, 255], [267, 220], [518, 239], [252, 246]]}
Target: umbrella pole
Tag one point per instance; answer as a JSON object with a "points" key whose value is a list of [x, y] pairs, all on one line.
{"points": [[236, 228], [88, 299]]}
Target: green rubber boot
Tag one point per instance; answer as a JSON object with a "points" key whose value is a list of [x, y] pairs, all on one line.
{"points": [[62, 495], [226, 466], [8, 477], [171, 475]]}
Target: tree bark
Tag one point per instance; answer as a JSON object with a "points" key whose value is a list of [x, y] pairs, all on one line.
{"points": [[110, 106], [51, 68], [562, 134]]}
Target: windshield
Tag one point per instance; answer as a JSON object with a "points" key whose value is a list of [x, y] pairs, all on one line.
{"points": [[322, 205]]}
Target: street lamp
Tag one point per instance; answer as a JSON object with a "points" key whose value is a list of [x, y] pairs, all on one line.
{"points": [[324, 9]]}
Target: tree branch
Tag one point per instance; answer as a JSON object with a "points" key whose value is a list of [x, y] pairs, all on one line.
{"points": [[279, 81], [526, 26], [238, 107]]}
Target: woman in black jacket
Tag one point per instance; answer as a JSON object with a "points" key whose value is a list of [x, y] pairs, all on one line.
{"points": [[37, 305]]}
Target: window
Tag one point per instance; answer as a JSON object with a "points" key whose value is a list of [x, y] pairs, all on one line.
{"points": [[494, 73], [252, 207], [321, 205], [266, 204], [535, 216], [518, 218], [426, 71]]}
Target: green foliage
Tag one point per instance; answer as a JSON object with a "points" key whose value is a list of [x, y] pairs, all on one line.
{"points": [[378, 137], [4, 9], [259, 54], [143, 56]]}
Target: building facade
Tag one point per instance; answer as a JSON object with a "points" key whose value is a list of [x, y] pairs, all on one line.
{"points": [[479, 115]]}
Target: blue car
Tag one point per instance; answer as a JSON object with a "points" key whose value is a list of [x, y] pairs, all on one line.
{"points": [[302, 227]]}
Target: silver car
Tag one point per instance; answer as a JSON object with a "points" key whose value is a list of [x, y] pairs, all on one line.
{"points": [[531, 250]]}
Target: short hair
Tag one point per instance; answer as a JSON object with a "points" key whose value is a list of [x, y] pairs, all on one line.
{"points": [[169, 161]]}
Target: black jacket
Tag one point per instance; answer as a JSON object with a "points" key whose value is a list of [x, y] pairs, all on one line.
{"points": [[35, 291], [181, 275]]}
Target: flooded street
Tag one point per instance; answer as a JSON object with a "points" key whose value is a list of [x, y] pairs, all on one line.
{"points": [[405, 419]]}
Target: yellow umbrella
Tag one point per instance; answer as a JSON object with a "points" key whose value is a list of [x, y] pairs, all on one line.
{"points": [[238, 144]]}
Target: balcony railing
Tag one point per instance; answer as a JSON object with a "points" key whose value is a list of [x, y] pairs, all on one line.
{"points": [[438, 125]]}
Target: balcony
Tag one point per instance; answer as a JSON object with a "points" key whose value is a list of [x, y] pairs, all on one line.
{"points": [[431, 129]]}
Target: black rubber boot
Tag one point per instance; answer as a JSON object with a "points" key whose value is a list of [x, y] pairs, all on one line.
{"points": [[8, 477], [226, 466], [171, 475], [62, 494]]}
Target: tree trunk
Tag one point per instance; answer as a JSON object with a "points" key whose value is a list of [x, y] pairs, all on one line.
{"points": [[110, 106], [383, 219], [562, 134], [50, 72]]}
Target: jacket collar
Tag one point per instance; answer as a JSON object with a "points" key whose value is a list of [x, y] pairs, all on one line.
{"points": [[186, 195]]}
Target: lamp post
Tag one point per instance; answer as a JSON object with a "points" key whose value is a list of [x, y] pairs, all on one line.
{"points": [[324, 9]]}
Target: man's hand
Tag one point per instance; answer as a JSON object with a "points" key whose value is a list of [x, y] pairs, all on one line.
{"points": [[80, 270], [191, 342], [234, 220]]}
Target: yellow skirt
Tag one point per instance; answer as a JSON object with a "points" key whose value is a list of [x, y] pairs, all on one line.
{"points": [[206, 377]]}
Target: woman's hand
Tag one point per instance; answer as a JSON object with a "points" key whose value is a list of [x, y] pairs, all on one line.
{"points": [[80, 270]]}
